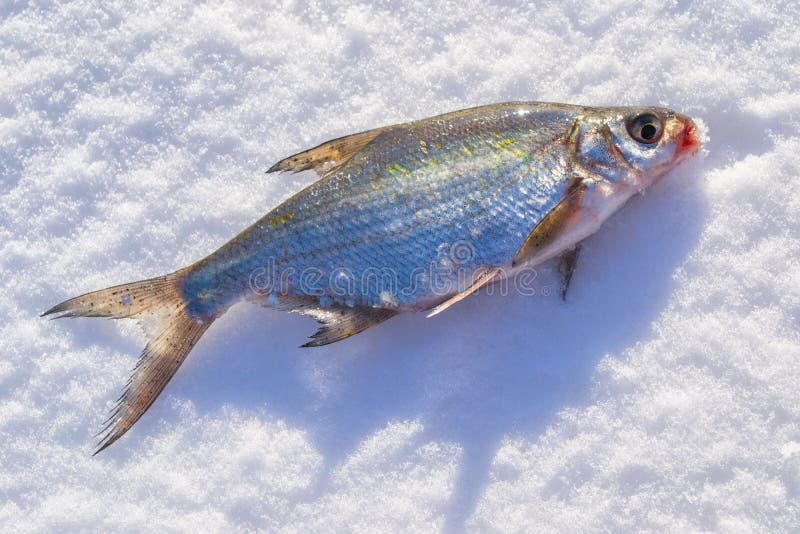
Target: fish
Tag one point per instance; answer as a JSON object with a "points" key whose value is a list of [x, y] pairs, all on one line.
{"points": [[412, 217]]}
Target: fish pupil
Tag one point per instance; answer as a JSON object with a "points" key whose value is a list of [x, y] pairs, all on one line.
{"points": [[648, 131]]}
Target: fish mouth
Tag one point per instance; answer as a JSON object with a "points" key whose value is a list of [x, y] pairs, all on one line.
{"points": [[688, 143]]}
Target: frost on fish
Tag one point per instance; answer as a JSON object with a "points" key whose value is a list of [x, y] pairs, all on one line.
{"points": [[409, 217]]}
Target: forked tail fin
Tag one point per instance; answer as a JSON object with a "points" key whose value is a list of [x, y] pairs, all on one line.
{"points": [[160, 305]]}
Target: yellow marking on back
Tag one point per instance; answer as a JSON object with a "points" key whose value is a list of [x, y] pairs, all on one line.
{"points": [[423, 146], [506, 146], [281, 219], [398, 168], [505, 143]]}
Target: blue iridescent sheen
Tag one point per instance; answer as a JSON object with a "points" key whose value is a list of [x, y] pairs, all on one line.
{"points": [[425, 204]]}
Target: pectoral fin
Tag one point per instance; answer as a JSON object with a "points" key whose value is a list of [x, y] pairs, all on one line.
{"points": [[329, 156], [543, 241], [480, 279], [566, 267]]}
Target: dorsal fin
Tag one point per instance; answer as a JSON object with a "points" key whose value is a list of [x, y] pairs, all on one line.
{"points": [[328, 156]]}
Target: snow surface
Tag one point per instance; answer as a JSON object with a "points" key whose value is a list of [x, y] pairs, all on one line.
{"points": [[662, 396]]}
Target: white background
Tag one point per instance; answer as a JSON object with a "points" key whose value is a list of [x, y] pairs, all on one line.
{"points": [[662, 396]]}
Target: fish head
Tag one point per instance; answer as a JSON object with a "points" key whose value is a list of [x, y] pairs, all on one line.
{"points": [[634, 146]]}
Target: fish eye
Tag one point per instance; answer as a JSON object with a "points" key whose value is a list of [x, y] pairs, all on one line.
{"points": [[645, 128]]}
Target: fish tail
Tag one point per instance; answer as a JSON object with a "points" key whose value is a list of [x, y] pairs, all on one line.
{"points": [[160, 306]]}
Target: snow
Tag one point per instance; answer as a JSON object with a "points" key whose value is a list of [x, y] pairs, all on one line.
{"points": [[661, 396]]}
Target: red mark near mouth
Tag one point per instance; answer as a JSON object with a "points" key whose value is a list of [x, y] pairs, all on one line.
{"points": [[689, 142]]}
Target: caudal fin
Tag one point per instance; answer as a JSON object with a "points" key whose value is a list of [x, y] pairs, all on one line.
{"points": [[160, 305]]}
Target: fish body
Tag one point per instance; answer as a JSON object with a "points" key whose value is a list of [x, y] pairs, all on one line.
{"points": [[481, 179], [409, 217]]}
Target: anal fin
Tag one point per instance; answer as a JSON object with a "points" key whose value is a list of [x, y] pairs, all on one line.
{"points": [[339, 322]]}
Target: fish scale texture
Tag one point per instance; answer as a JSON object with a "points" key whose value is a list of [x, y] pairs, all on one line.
{"points": [[662, 397], [408, 219]]}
